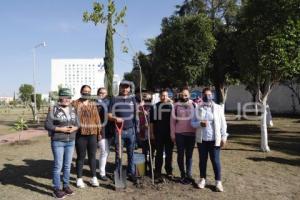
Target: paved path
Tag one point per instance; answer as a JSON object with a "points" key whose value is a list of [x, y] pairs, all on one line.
{"points": [[25, 135]]}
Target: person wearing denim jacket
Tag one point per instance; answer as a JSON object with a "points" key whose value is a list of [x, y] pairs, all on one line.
{"points": [[62, 124], [211, 136]]}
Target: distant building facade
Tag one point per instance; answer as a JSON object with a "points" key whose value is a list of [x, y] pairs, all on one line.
{"points": [[73, 73], [6, 99]]}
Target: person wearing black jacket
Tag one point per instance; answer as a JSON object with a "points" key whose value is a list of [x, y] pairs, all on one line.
{"points": [[160, 128], [62, 124]]}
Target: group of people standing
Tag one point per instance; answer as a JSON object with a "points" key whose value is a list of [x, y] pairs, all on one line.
{"points": [[88, 123]]}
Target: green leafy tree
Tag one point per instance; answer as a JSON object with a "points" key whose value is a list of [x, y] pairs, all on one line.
{"points": [[25, 92], [268, 50], [38, 101], [222, 69], [112, 18], [182, 50], [294, 85], [53, 96]]}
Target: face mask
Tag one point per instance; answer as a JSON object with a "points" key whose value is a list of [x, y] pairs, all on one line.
{"points": [[184, 99], [207, 98], [85, 96]]}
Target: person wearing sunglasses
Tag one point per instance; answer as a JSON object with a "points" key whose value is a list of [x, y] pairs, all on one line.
{"points": [[62, 124]]}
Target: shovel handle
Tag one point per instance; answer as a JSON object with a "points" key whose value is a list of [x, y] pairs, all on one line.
{"points": [[119, 131], [119, 127]]}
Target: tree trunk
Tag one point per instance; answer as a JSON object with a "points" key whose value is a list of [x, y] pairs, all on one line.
{"points": [[220, 93], [255, 100], [109, 58], [33, 113], [263, 127]]}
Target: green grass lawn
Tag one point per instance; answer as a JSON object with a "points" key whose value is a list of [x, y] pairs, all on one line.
{"points": [[8, 116]]}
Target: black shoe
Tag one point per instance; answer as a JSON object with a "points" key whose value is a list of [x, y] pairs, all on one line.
{"points": [[68, 191], [59, 194], [132, 178], [184, 181], [103, 178], [159, 180], [190, 179], [170, 176]]}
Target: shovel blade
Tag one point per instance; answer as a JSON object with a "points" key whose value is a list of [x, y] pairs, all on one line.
{"points": [[120, 178]]}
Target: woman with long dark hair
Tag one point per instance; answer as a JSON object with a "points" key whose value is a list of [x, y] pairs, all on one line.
{"points": [[88, 135]]}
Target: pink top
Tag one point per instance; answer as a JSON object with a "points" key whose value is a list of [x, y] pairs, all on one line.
{"points": [[181, 117]]}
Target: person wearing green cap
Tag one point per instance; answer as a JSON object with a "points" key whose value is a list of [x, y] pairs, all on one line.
{"points": [[62, 123]]}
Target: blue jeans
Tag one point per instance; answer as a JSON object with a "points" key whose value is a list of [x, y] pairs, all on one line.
{"points": [[128, 138], [205, 148], [62, 153], [185, 146]]}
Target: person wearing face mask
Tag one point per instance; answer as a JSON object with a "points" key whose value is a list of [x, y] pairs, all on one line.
{"points": [[211, 136], [183, 134], [62, 123], [160, 130], [123, 110], [88, 135], [107, 129]]}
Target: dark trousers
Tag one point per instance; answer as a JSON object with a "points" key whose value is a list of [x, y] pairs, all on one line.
{"points": [[128, 139], [205, 148], [163, 144], [146, 151], [83, 143], [185, 147]]}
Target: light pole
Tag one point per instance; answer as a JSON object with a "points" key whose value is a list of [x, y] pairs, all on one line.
{"points": [[43, 44]]}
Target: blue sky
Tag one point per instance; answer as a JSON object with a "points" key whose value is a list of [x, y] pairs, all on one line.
{"points": [[59, 22]]}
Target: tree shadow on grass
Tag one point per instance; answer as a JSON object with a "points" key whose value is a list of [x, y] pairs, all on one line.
{"points": [[279, 140], [239, 149], [23, 175], [293, 162]]}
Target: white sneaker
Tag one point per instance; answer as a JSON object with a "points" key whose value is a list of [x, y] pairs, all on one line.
{"points": [[201, 183], [80, 183], [219, 186], [94, 182]]}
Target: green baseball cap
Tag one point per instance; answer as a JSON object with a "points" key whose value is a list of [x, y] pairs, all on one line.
{"points": [[64, 92]]}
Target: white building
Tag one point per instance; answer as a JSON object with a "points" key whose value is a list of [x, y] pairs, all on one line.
{"points": [[73, 73], [6, 99]]}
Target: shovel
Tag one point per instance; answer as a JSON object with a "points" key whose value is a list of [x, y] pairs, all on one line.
{"points": [[120, 173]]}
